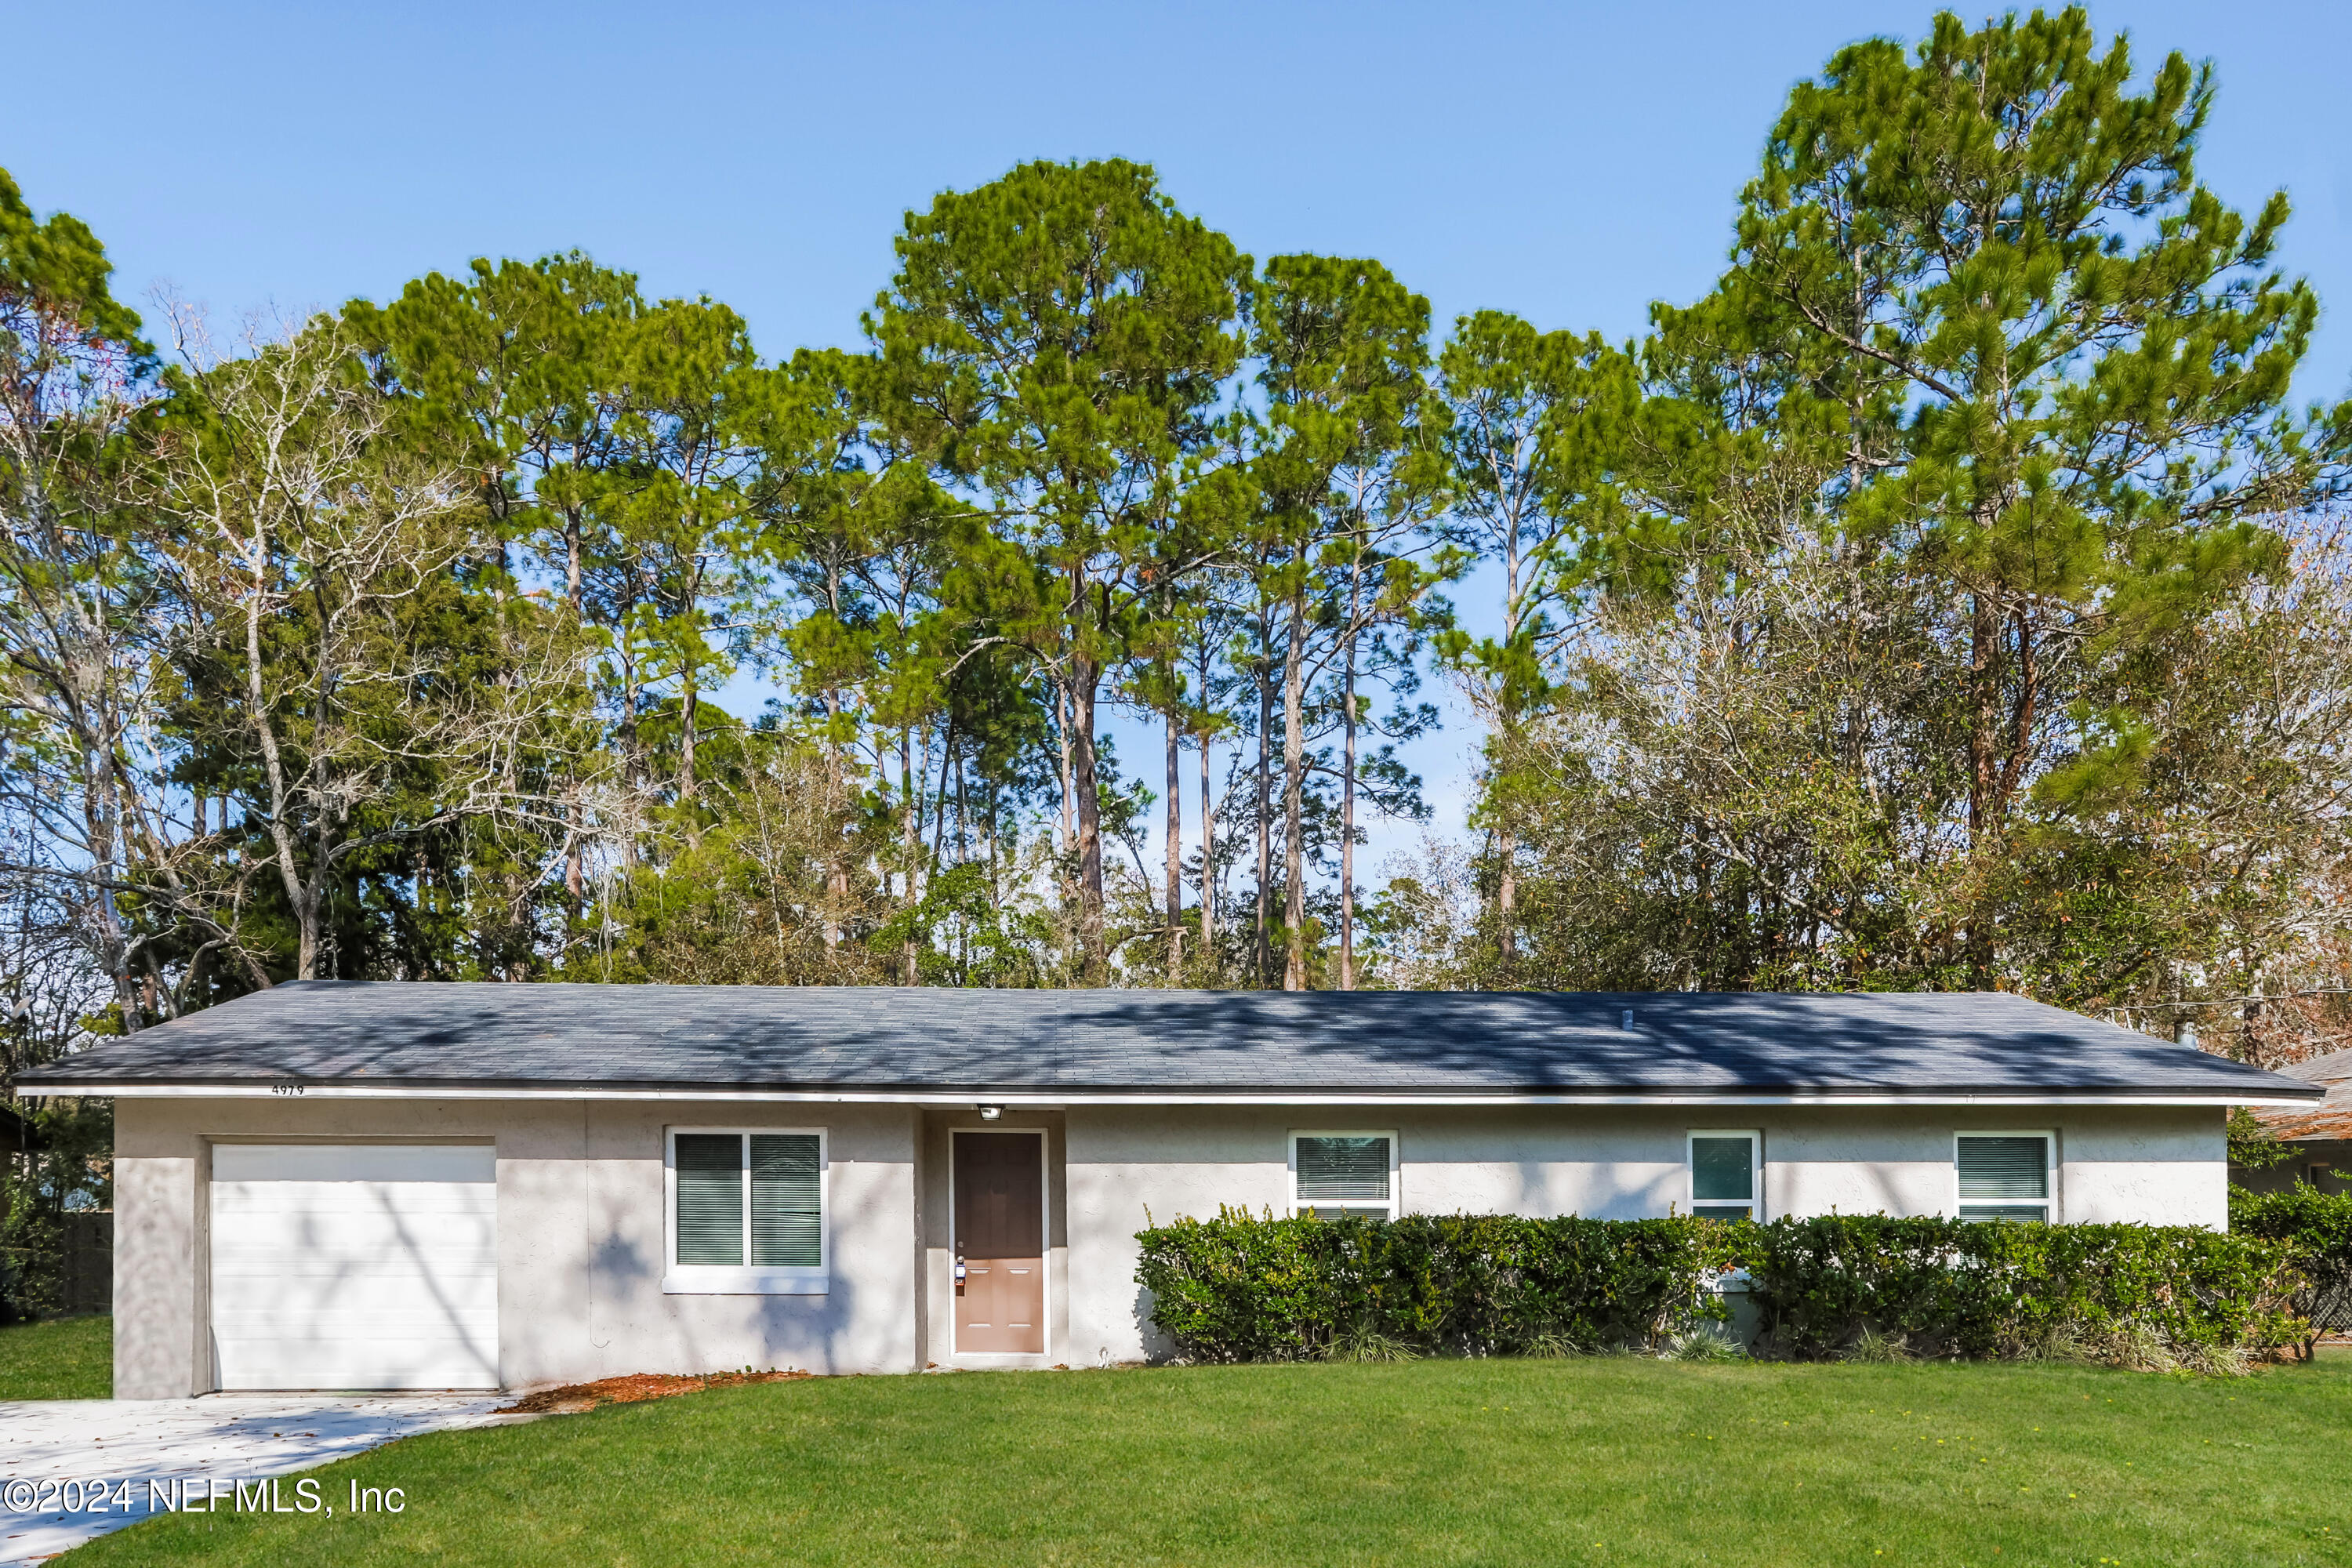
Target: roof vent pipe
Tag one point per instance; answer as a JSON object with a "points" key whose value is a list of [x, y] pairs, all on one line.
{"points": [[1627, 1021], [2185, 1032]]}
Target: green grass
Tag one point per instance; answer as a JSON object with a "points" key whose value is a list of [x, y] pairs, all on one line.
{"points": [[1612, 1461], [66, 1358]]}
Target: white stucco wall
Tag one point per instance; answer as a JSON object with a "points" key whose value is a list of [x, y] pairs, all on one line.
{"points": [[1128, 1167], [160, 1308], [580, 1217], [2150, 1166], [581, 1236]]}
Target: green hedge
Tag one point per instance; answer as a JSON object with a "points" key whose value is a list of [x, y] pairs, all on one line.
{"points": [[2317, 1227], [1243, 1288], [1238, 1289], [2145, 1295], [32, 1256]]}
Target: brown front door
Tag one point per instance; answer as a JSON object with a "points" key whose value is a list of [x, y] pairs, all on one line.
{"points": [[999, 1240]]}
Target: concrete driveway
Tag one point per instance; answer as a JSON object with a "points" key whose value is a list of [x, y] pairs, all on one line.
{"points": [[187, 1448]]}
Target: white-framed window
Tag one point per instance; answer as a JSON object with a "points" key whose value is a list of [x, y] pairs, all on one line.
{"points": [[1726, 1173], [1338, 1173], [2006, 1176], [746, 1211]]}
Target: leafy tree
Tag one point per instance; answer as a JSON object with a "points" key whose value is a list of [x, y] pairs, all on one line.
{"points": [[852, 521], [77, 594], [1969, 636], [680, 578], [1347, 479], [1535, 423], [311, 554], [1950, 597], [1999, 248], [1060, 336], [515, 369]]}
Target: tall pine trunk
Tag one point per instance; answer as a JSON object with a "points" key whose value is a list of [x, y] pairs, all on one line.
{"points": [[1984, 676], [1348, 827], [837, 780], [910, 839], [633, 760], [688, 790], [1507, 838], [1262, 963], [1174, 872], [1506, 891], [575, 843], [1067, 842], [836, 866], [1087, 677], [1208, 856], [1294, 789]]}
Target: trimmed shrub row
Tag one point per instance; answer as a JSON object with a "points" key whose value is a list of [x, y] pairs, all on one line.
{"points": [[2152, 1296], [2316, 1227], [1241, 1288], [1238, 1289]]}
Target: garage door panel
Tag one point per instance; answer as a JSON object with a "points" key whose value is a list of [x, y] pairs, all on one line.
{"points": [[418, 1363], [358, 1265], [356, 1199], [293, 1324], [421, 1305], [276, 1234], [344, 1162], [339, 1260], [420, 1296]]}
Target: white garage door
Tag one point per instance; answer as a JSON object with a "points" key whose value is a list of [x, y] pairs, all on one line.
{"points": [[356, 1266]]}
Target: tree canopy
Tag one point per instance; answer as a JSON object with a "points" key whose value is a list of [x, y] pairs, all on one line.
{"points": [[1954, 595]]}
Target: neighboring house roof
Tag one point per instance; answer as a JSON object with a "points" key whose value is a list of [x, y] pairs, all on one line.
{"points": [[1046, 1047], [2328, 1121], [2336, 1066]]}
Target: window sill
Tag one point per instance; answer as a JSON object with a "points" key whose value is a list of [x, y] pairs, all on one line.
{"points": [[745, 1282]]}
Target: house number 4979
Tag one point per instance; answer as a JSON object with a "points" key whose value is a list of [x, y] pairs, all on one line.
{"points": [[295, 1088]]}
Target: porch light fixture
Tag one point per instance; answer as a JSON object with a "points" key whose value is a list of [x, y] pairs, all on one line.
{"points": [[991, 1112]]}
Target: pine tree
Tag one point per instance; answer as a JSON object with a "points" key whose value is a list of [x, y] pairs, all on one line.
{"points": [[1345, 479], [1535, 424], [2001, 248], [1060, 337]]}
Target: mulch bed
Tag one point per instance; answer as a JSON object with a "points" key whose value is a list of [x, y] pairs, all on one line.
{"points": [[574, 1398]]}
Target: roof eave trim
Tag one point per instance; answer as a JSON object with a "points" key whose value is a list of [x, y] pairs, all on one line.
{"points": [[1030, 1098]]}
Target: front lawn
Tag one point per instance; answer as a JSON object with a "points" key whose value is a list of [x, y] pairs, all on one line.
{"points": [[1597, 1461], [66, 1358]]}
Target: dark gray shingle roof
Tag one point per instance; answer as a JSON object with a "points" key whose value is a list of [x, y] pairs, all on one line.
{"points": [[667, 1037]]}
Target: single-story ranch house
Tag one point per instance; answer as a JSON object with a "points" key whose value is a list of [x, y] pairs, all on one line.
{"points": [[398, 1185]]}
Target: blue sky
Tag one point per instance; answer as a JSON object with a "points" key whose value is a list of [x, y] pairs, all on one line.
{"points": [[1569, 161]]}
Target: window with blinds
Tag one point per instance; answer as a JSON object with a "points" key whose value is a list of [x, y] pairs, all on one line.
{"points": [[747, 1210], [787, 1212], [1723, 1175], [710, 1199], [2004, 1175], [1335, 1174]]}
